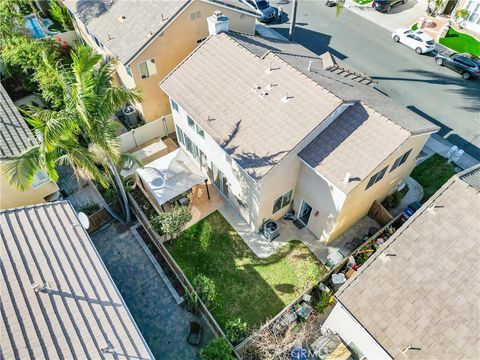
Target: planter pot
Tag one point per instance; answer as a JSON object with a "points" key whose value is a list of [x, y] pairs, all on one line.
{"points": [[131, 184]]}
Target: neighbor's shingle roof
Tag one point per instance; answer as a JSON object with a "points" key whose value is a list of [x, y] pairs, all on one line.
{"points": [[427, 295], [356, 143], [126, 37], [217, 83], [82, 313], [15, 136]]}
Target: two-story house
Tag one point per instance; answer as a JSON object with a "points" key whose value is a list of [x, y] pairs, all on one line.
{"points": [[150, 38], [277, 128], [15, 137]]}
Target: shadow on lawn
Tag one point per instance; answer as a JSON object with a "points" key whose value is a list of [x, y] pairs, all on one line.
{"points": [[248, 287]]}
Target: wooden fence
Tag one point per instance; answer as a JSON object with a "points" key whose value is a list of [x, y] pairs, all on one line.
{"points": [[98, 219], [158, 241]]}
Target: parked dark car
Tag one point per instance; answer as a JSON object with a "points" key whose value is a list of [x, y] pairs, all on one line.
{"points": [[386, 5], [465, 64]]}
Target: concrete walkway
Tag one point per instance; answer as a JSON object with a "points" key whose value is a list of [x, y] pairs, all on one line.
{"points": [[437, 144], [415, 193], [288, 231], [268, 33]]}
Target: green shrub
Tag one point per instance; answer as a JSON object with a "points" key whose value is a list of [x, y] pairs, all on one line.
{"points": [[393, 200], [323, 302], [205, 288], [216, 349], [171, 223], [191, 301], [236, 330], [89, 208]]}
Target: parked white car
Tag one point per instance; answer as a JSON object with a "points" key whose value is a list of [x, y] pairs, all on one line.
{"points": [[417, 40]]}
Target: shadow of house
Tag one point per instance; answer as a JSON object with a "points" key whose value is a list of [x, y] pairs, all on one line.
{"points": [[91, 9]]}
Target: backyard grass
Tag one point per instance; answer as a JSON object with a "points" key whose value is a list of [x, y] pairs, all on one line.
{"points": [[461, 42], [248, 287], [432, 174], [363, 2]]}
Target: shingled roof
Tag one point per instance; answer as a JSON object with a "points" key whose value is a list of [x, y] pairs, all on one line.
{"points": [[257, 103], [427, 294], [15, 136], [125, 27], [80, 313]]}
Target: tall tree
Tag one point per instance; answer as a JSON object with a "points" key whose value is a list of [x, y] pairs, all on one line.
{"points": [[83, 133]]}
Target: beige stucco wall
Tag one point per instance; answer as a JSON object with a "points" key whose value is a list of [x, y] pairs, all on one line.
{"points": [[359, 200], [11, 197], [169, 49], [177, 41]]}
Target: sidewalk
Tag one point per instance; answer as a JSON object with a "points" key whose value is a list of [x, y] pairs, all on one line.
{"points": [[268, 33], [403, 15]]}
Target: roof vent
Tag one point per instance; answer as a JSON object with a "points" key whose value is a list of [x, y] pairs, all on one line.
{"points": [[163, 18], [110, 37], [432, 207], [122, 18], [286, 98], [263, 93], [217, 23], [44, 287], [150, 33], [270, 86], [347, 177], [310, 65], [269, 70]]}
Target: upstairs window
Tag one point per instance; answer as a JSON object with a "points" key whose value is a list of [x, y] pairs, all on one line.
{"points": [[147, 68], [191, 123], [195, 127], [128, 69], [377, 177], [401, 160], [174, 105], [282, 201], [40, 178]]}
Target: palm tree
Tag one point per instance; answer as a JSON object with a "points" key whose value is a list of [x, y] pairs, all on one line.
{"points": [[83, 133]]}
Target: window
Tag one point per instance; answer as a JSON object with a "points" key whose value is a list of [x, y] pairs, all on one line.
{"points": [[195, 127], [195, 15], [99, 44], [180, 135], [474, 11], [377, 177], [200, 40], [282, 201], [174, 105], [400, 160], [40, 178], [147, 68], [191, 147], [191, 123], [228, 158], [128, 69]]}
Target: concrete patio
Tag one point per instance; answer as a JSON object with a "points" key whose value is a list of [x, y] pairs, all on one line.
{"points": [[288, 231]]}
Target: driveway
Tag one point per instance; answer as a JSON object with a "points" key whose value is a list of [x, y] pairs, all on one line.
{"points": [[163, 323], [414, 81], [400, 16]]}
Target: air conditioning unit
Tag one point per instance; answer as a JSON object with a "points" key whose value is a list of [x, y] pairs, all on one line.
{"points": [[130, 115]]}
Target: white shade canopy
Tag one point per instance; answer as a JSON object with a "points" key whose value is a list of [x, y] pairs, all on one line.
{"points": [[170, 176]]}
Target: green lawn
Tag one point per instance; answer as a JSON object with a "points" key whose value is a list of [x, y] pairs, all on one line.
{"points": [[432, 174], [461, 42], [414, 27], [363, 2], [248, 287]]}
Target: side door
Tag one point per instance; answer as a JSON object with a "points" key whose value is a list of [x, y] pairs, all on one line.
{"points": [[409, 40], [459, 64]]}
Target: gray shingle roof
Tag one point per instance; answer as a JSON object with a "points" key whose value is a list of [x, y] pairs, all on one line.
{"points": [[257, 130], [427, 295], [356, 142], [82, 313], [126, 37], [15, 136], [338, 82]]}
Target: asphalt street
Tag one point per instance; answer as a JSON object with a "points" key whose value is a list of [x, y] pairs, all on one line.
{"points": [[414, 81]]}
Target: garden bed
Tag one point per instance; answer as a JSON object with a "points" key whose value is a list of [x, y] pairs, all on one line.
{"points": [[248, 287], [432, 174]]}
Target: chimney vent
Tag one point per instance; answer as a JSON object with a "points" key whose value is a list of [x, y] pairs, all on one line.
{"points": [[347, 177], [217, 23]]}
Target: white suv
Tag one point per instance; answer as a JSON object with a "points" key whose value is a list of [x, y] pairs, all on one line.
{"points": [[418, 40]]}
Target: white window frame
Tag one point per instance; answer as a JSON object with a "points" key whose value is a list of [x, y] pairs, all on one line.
{"points": [[285, 200], [151, 68], [174, 105], [128, 69]]}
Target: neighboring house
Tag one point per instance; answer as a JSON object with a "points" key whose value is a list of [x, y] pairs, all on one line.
{"points": [[473, 21], [150, 38], [58, 299], [15, 137], [418, 296], [271, 123]]}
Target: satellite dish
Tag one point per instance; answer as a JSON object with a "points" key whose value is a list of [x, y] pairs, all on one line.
{"points": [[83, 218]]}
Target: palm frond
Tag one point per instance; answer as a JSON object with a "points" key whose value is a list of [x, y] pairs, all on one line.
{"points": [[20, 170]]}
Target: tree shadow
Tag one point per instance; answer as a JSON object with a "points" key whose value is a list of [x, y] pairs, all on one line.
{"points": [[285, 288], [91, 9]]}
